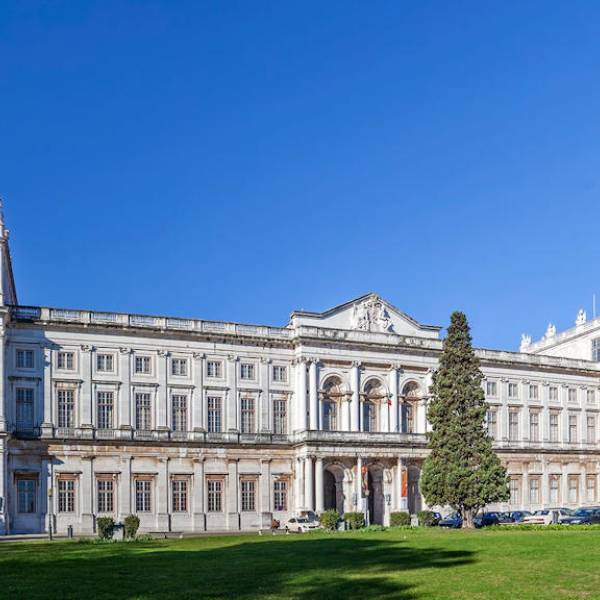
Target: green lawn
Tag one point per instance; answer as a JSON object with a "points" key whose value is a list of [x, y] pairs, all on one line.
{"points": [[440, 564]]}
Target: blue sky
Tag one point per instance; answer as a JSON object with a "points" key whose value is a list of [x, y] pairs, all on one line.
{"points": [[238, 160]]}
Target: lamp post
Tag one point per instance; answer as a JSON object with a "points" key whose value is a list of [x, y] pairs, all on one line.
{"points": [[50, 512]]}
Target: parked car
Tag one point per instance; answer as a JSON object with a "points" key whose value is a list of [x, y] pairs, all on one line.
{"points": [[300, 525], [562, 516], [517, 516], [492, 518], [437, 517], [586, 516], [453, 521], [310, 515]]}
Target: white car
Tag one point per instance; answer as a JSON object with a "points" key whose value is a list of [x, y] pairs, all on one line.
{"points": [[300, 525], [564, 516]]}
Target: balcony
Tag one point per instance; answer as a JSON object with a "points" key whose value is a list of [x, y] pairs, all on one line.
{"points": [[361, 438]]}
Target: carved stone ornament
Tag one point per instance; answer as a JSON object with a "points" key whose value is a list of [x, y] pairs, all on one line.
{"points": [[525, 342], [581, 318], [551, 331], [371, 315]]}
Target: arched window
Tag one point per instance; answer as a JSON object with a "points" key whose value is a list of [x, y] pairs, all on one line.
{"points": [[374, 394], [332, 396], [411, 393]]}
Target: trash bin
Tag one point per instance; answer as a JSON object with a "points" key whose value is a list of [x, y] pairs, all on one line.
{"points": [[118, 532], [70, 532]]}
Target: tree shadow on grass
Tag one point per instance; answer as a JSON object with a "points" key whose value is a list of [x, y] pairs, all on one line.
{"points": [[302, 568]]}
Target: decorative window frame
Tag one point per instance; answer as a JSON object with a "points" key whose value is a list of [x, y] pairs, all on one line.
{"points": [[115, 361], [35, 359], [66, 350], [143, 354]]}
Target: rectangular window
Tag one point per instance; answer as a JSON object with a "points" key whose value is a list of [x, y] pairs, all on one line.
{"points": [[329, 416], [553, 427], [25, 359], [66, 495], [247, 371], [279, 416], [214, 368], [24, 408], [214, 414], [590, 488], [573, 489], [179, 490], [596, 349], [533, 392], [143, 495], [492, 423], [280, 490], [553, 394], [248, 495], [247, 415], [534, 426], [572, 395], [66, 408], [534, 490], [513, 425], [591, 429], [279, 374], [515, 496], [591, 397], [26, 495], [368, 416], [179, 367], [513, 390], [105, 363], [491, 388], [179, 412], [143, 365], [143, 410], [572, 428], [105, 404], [215, 495], [65, 361], [555, 490], [105, 495]]}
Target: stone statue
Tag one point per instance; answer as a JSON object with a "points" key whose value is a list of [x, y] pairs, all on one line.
{"points": [[371, 315], [525, 342], [551, 331], [581, 318]]}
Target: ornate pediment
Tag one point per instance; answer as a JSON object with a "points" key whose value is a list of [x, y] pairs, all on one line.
{"points": [[371, 315]]}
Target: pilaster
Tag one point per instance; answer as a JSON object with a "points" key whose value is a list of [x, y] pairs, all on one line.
{"points": [[355, 403], [313, 394]]}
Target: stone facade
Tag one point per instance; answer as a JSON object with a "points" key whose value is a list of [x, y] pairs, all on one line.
{"points": [[202, 425]]}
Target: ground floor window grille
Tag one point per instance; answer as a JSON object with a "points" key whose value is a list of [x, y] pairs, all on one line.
{"points": [[554, 490], [515, 496], [143, 495], [179, 495], [215, 495], [66, 495], [105, 495], [248, 495], [280, 489]]}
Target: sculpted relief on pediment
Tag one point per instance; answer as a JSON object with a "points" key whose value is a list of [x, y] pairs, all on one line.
{"points": [[371, 315]]}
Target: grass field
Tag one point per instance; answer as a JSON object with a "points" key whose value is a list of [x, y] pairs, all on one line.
{"points": [[401, 564]]}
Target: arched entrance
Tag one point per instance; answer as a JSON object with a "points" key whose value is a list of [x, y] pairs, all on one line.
{"points": [[414, 493], [333, 484], [376, 499]]}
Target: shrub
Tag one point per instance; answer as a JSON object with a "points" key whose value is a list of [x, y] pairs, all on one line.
{"points": [[329, 519], [426, 518], [105, 527], [130, 526], [397, 519], [355, 520]]}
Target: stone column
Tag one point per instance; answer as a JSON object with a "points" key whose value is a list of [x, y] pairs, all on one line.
{"points": [[125, 404], [544, 484], [313, 394], [3, 486], [421, 425], [393, 380], [198, 393], [319, 491], [198, 497], [47, 425], [299, 485], [264, 399], [87, 494], [232, 410], [301, 421], [232, 497], [162, 391], [124, 488], [355, 408], [163, 522], [86, 400], [265, 507], [3, 399], [308, 483], [545, 415]]}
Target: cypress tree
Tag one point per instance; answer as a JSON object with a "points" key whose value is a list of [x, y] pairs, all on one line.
{"points": [[462, 469]]}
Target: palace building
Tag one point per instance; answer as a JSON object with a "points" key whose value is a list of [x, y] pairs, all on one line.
{"points": [[199, 425]]}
